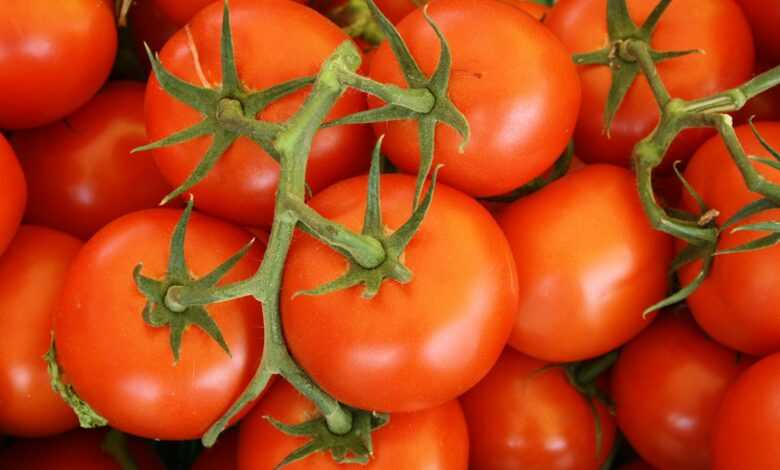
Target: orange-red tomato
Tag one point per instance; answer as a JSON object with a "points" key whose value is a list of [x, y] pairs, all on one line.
{"points": [[433, 439], [718, 28], [54, 57], [181, 11], [588, 265], [511, 78], [32, 273], [521, 416], [125, 368], [537, 10], [764, 17], [432, 338], [80, 173], [13, 193]]}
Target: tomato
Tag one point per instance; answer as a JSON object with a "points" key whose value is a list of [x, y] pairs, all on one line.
{"points": [[432, 338], [520, 416], [396, 10], [124, 368], [746, 430], [718, 28], [764, 107], [242, 185], [764, 18], [667, 386], [735, 304], [32, 273], [181, 11], [54, 57], [76, 450], [537, 10], [223, 456], [520, 122], [434, 439], [149, 26], [13, 194], [588, 264], [636, 465], [80, 173]]}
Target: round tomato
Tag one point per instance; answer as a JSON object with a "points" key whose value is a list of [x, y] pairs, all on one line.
{"points": [[432, 338], [13, 194], [181, 11], [521, 416], [124, 368], [223, 456], [434, 439], [149, 27], [588, 264], [54, 57], [511, 78], [747, 427], [242, 185], [718, 28], [80, 173], [764, 17], [667, 386], [735, 304], [537, 10], [32, 273]]}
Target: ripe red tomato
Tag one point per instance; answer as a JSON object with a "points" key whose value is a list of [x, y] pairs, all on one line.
{"points": [[588, 264], [520, 121], [432, 338], [181, 11], [80, 173], [76, 450], [13, 194], [396, 10], [32, 273], [124, 368], [54, 57], [242, 185], [764, 17], [522, 417], [747, 428], [764, 107], [223, 456], [149, 26], [718, 28], [433, 439], [537, 10], [735, 304], [667, 386]]}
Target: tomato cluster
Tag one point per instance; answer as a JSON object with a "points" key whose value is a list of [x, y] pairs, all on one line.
{"points": [[375, 248]]}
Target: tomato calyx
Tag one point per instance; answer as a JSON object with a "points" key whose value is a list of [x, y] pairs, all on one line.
{"points": [[88, 418], [355, 18]]}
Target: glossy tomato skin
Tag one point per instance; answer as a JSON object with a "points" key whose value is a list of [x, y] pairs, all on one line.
{"points": [[124, 368], [746, 430], [432, 338], [588, 264], [517, 411], [223, 456], [667, 386], [433, 439], [718, 28], [242, 185], [54, 57], [764, 18], [32, 274], [181, 11], [735, 304], [80, 173], [76, 450], [537, 10], [521, 102], [13, 193]]}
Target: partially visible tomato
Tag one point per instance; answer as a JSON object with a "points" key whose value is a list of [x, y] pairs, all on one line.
{"points": [[396, 10], [764, 17], [149, 26], [181, 12], [223, 456], [433, 439], [636, 465], [588, 264], [54, 57], [537, 10], [764, 107], [13, 193], [521, 416]]}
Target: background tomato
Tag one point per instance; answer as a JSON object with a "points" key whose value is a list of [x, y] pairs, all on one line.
{"points": [[636, 465], [181, 11], [764, 17], [13, 194], [223, 456]]}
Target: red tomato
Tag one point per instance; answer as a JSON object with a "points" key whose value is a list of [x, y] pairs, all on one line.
{"points": [[588, 264], [13, 193], [636, 465], [764, 107], [432, 338], [433, 439], [667, 386], [223, 456], [32, 273], [747, 427], [520, 122], [181, 11], [54, 57], [396, 10], [149, 26], [764, 17], [736, 303], [242, 185], [124, 368], [80, 173], [537, 10], [718, 28], [522, 417], [76, 450]]}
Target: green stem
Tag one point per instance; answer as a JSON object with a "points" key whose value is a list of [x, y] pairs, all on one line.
{"points": [[640, 51], [735, 98], [419, 100], [115, 445]]}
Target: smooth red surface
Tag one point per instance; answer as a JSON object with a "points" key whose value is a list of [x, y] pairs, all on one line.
{"points": [[764, 17], [13, 193], [223, 456]]}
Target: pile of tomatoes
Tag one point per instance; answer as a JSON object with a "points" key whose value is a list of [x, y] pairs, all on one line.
{"points": [[519, 340]]}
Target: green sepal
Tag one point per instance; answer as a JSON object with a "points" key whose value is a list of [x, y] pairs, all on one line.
{"points": [[750, 210], [115, 445], [703, 207], [688, 255], [775, 154], [88, 417]]}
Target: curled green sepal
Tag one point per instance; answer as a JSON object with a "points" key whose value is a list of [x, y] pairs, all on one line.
{"points": [[226, 109], [88, 418], [394, 244], [115, 445], [162, 308], [353, 447], [689, 254]]}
